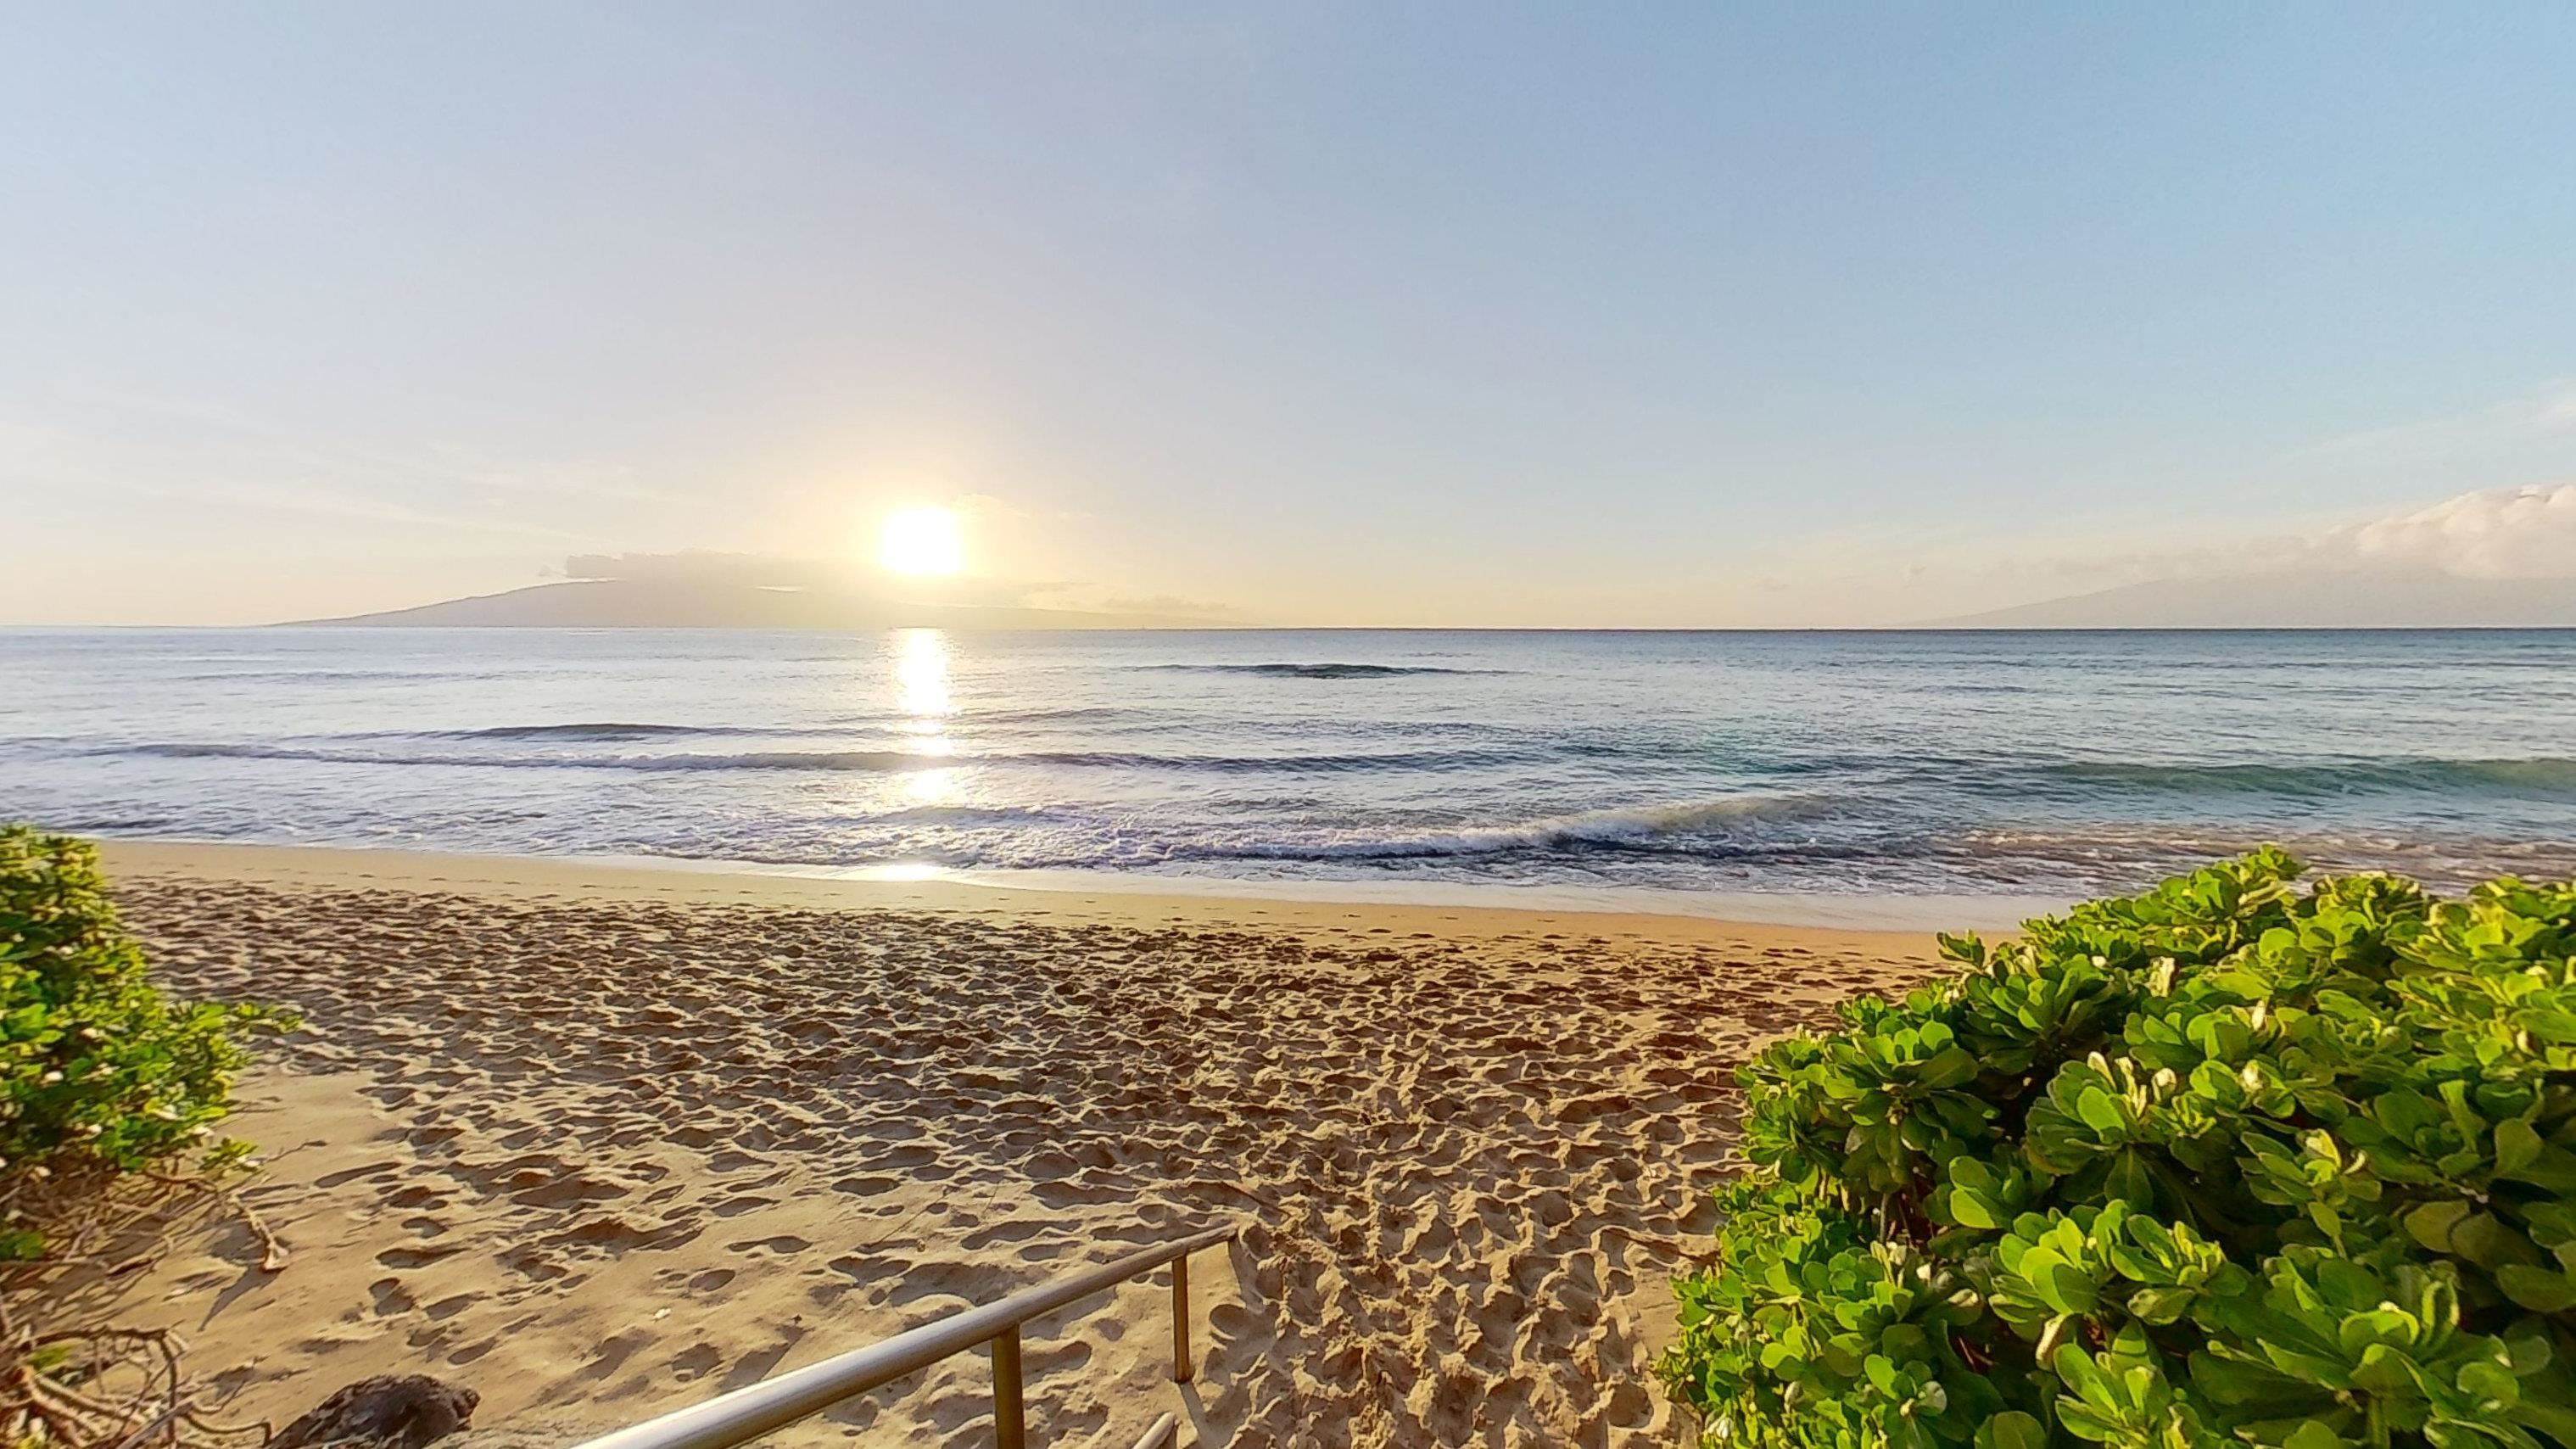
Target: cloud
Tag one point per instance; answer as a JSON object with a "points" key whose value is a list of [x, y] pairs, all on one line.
{"points": [[2534, 413], [780, 571], [2466, 545], [188, 458], [755, 570], [1173, 605], [2525, 532], [2498, 533]]}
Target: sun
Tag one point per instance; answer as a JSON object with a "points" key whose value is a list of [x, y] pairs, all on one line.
{"points": [[921, 542]]}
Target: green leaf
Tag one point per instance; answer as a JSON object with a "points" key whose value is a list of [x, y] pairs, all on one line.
{"points": [[2538, 1289], [1948, 1069], [2129, 1182], [1972, 1210], [2487, 1242], [2491, 1382], [2313, 1435], [2012, 1429], [2075, 1369], [2160, 1306], [2517, 1146], [2099, 1110], [2432, 1223], [2069, 1289]]}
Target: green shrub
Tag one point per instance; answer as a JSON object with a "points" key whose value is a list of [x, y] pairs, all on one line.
{"points": [[97, 1069], [2230, 1162]]}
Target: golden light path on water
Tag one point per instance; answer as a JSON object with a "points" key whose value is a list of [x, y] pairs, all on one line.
{"points": [[920, 675], [921, 693]]}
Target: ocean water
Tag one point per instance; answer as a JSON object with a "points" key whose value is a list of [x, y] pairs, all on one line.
{"points": [[1663, 767]]}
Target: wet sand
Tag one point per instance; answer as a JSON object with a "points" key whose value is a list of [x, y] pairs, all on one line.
{"points": [[599, 1141]]}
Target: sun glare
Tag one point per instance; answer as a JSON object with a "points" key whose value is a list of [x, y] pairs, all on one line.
{"points": [[921, 541]]}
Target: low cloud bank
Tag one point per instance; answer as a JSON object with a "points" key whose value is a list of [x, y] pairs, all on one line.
{"points": [[2498, 533], [2496, 558], [705, 568]]}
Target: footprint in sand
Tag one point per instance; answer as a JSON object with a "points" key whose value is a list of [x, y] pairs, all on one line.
{"points": [[452, 1305], [783, 1246], [352, 1174], [696, 1361], [1019, 1232]]}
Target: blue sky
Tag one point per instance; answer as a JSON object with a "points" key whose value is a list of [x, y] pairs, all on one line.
{"points": [[1424, 314]]}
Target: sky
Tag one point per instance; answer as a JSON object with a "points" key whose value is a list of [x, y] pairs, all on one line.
{"points": [[1312, 313]]}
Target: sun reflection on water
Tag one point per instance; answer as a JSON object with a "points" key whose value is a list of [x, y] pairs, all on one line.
{"points": [[921, 678], [922, 694]]}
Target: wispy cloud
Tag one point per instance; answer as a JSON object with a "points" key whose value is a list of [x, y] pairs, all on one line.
{"points": [[180, 457], [2547, 408]]}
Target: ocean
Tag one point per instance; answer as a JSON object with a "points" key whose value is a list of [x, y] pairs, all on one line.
{"points": [[1674, 771]]}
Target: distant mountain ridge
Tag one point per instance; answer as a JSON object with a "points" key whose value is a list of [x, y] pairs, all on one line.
{"points": [[669, 603], [2300, 599], [2291, 599]]}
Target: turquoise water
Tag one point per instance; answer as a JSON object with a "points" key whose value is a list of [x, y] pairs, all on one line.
{"points": [[1854, 763]]}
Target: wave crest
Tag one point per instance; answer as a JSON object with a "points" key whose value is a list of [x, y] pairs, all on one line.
{"points": [[2546, 776], [754, 760], [608, 731], [1654, 828], [854, 759], [1320, 671]]}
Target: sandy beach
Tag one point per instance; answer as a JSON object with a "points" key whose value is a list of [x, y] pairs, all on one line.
{"points": [[600, 1141]]}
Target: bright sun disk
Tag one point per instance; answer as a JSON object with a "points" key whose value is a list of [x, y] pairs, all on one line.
{"points": [[921, 541]]}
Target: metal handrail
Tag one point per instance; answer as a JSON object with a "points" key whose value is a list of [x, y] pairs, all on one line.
{"points": [[756, 1409]]}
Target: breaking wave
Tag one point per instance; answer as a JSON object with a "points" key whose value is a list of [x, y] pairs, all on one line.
{"points": [[1320, 671], [856, 759], [1650, 828], [605, 732], [2554, 778]]}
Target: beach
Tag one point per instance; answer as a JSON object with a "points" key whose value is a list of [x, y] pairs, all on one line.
{"points": [[598, 1141]]}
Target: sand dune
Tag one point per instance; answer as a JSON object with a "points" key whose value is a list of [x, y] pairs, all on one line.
{"points": [[597, 1155]]}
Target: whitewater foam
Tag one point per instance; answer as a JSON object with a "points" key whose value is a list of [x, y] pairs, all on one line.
{"points": [[1610, 829]]}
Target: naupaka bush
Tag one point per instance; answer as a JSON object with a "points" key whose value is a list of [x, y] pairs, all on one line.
{"points": [[98, 1070], [2229, 1162]]}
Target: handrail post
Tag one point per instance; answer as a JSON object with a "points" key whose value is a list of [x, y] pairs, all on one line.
{"points": [[1010, 1421], [1181, 1368]]}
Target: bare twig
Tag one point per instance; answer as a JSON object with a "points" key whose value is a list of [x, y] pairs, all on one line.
{"points": [[127, 1387], [272, 1255]]}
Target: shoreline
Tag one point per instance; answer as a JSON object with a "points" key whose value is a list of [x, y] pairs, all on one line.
{"points": [[1621, 910]]}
